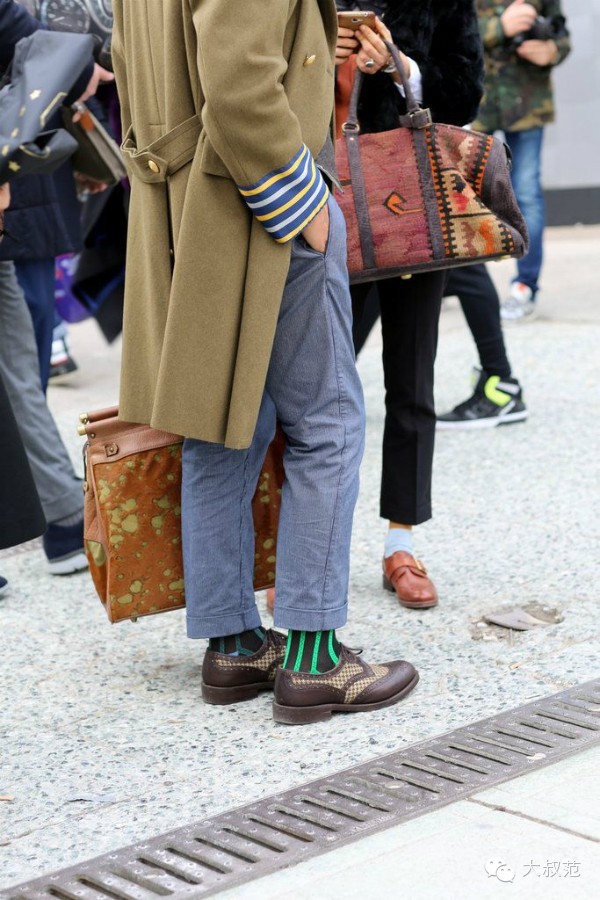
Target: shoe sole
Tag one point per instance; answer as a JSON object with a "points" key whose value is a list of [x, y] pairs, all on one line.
{"points": [[306, 715], [223, 696], [479, 424], [68, 565], [408, 604]]}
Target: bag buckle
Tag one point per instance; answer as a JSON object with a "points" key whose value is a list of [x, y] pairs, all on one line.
{"points": [[418, 118], [350, 128]]}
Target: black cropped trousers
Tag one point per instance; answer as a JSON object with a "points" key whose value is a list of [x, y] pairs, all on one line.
{"points": [[410, 312]]}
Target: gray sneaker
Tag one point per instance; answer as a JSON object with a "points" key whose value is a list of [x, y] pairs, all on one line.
{"points": [[519, 306]]}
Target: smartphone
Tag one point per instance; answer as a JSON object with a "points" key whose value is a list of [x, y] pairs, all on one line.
{"points": [[353, 19]]}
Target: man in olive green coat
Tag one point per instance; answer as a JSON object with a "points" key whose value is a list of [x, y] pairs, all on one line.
{"points": [[523, 40], [237, 311]]}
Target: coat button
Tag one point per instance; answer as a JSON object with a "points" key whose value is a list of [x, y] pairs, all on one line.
{"points": [[309, 60], [154, 167]]}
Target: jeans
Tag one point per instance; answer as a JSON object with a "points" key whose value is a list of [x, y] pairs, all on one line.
{"points": [[526, 149], [57, 485], [37, 280], [313, 388]]}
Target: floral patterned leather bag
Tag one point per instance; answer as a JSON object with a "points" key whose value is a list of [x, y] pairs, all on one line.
{"points": [[132, 515]]}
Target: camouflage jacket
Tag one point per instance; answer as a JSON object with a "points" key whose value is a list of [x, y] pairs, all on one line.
{"points": [[518, 95]]}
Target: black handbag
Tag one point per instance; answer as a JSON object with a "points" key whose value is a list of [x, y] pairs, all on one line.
{"points": [[44, 68]]}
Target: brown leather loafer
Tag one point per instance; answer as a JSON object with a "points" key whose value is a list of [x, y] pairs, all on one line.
{"points": [[352, 686], [231, 679], [407, 577]]}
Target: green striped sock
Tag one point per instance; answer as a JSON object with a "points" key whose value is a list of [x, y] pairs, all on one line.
{"points": [[314, 652]]}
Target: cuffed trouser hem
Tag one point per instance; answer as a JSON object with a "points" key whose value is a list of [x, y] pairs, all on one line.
{"points": [[66, 506], [221, 626], [310, 620]]}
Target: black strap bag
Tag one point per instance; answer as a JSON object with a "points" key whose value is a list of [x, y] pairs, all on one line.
{"points": [[44, 68]]}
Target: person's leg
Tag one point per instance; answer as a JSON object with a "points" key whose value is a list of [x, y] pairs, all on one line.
{"points": [[497, 398], [58, 487], [36, 278], [365, 312], [318, 396], [526, 149], [218, 533], [409, 321], [313, 385], [481, 307]]}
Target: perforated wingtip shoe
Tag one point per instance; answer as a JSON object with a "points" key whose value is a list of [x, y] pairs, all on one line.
{"points": [[231, 679], [352, 686]]}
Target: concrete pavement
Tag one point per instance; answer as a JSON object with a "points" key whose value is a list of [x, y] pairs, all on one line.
{"points": [[104, 737]]}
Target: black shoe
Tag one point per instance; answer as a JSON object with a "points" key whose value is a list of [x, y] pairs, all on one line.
{"points": [[63, 546], [61, 361], [496, 401], [3, 584]]}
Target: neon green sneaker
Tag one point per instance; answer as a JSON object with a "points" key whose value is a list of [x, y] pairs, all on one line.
{"points": [[495, 401]]}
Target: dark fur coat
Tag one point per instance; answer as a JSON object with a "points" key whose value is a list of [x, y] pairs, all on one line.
{"points": [[442, 36]]}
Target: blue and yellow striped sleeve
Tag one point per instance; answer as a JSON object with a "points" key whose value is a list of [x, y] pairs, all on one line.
{"points": [[288, 198]]}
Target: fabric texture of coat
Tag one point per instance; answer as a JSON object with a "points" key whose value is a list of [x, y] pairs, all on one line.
{"points": [[225, 106]]}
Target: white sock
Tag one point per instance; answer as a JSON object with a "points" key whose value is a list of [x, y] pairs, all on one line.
{"points": [[398, 539]]}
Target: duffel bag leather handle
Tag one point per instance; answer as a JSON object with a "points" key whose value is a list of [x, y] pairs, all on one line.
{"points": [[415, 117]]}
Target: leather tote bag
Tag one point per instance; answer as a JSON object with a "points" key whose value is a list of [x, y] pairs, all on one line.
{"points": [[132, 515], [45, 66], [424, 196]]}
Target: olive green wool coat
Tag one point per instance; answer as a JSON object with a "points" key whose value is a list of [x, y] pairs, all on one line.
{"points": [[216, 96]]}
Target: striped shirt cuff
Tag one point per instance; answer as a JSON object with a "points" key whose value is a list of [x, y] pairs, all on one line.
{"points": [[287, 199]]}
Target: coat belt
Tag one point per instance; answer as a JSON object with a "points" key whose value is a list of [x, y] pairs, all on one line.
{"points": [[166, 154]]}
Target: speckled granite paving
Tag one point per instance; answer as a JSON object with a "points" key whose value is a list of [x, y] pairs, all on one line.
{"points": [[103, 736]]}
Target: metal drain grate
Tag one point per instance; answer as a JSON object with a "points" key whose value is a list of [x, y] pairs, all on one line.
{"points": [[282, 830]]}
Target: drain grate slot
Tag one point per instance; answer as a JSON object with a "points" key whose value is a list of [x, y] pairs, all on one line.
{"points": [[281, 828], [348, 814], [568, 720], [431, 771], [358, 798], [276, 832], [461, 763], [510, 747], [226, 848], [305, 817], [136, 878]]}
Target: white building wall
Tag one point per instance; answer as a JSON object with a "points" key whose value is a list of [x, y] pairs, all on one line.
{"points": [[572, 144]]}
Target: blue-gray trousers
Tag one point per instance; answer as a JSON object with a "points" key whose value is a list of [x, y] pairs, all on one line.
{"points": [[313, 389]]}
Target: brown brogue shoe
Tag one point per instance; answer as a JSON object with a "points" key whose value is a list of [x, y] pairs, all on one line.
{"points": [[352, 686], [231, 679], [407, 577]]}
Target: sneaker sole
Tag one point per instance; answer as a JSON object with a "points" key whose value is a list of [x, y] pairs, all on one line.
{"points": [[306, 715], [518, 320], [68, 565], [477, 424]]}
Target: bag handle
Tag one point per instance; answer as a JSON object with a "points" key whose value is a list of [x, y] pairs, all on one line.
{"points": [[415, 117]]}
